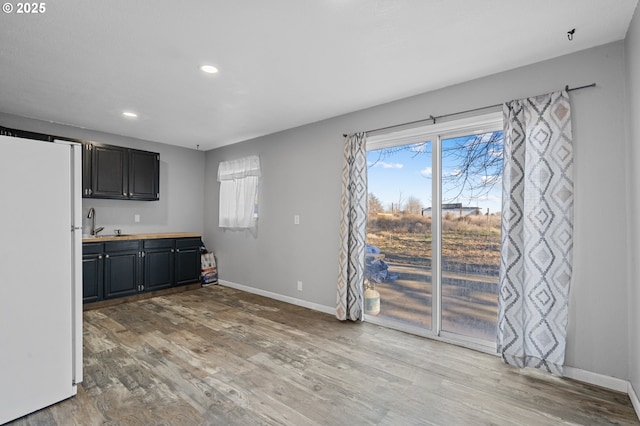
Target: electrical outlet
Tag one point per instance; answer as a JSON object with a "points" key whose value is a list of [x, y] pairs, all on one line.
{"points": [[136, 218], [299, 285], [296, 219]]}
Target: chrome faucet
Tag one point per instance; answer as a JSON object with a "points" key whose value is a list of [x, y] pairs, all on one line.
{"points": [[92, 216]]}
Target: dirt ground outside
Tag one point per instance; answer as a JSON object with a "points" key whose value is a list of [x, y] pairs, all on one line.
{"points": [[470, 251]]}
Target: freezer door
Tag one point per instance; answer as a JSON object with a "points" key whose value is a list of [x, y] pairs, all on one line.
{"points": [[36, 276]]}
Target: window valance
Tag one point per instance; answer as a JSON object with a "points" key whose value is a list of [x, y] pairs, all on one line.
{"points": [[240, 168]]}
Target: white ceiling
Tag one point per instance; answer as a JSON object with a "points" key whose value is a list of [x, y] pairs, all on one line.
{"points": [[283, 63]]}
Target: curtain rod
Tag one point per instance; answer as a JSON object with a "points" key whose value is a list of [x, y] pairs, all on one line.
{"points": [[432, 118]]}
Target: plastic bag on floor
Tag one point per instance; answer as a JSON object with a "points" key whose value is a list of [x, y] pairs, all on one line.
{"points": [[209, 272]]}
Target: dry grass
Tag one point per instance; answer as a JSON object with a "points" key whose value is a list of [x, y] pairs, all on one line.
{"points": [[407, 239]]}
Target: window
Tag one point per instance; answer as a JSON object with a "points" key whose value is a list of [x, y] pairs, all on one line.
{"points": [[433, 234], [238, 192]]}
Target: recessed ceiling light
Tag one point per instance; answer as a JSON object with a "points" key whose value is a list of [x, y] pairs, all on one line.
{"points": [[209, 69], [130, 114]]}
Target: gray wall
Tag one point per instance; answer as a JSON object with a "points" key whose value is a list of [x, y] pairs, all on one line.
{"points": [[181, 204], [301, 175], [632, 49]]}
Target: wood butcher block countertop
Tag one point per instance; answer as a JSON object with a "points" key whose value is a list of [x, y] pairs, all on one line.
{"points": [[101, 238]]}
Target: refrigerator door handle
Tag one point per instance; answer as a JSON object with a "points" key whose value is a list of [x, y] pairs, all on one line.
{"points": [[75, 150]]}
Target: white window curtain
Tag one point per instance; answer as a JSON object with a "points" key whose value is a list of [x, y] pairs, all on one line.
{"points": [[238, 192], [353, 227], [537, 232]]}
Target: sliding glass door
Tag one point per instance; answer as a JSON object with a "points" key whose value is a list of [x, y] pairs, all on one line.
{"points": [[433, 236], [470, 234], [399, 239]]}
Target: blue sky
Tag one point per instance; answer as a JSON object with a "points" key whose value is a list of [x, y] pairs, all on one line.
{"points": [[409, 171]]}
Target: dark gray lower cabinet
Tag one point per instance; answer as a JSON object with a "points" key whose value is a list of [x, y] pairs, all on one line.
{"points": [[159, 262], [92, 272], [187, 260], [122, 268]]}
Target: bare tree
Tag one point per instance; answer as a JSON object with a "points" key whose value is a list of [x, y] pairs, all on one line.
{"points": [[375, 206], [400, 202], [476, 159], [413, 205], [478, 163]]}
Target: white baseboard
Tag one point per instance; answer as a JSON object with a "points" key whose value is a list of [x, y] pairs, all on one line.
{"points": [[608, 382], [280, 297], [634, 399], [597, 379]]}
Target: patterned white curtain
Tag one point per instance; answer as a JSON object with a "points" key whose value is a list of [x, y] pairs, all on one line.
{"points": [[537, 232], [353, 228]]}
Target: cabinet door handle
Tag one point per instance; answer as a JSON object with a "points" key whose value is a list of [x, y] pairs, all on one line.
{"points": [[100, 257], [143, 254], [177, 250], [124, 194], [172, 250], [90, 191], [130, 194], [106, 256]]}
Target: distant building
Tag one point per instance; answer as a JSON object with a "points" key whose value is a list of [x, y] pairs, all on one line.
{"points": [[454, 208]]}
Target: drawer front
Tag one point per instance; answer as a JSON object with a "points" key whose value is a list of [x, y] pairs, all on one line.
{"points": [[111, 246], [92, 248], [158, 243], [187, 242]]}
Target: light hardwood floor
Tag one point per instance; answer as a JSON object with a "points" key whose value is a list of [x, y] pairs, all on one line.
{"points": [[220, 356]]}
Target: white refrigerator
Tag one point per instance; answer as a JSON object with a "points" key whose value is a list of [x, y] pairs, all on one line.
{"points": [[40, 274]]}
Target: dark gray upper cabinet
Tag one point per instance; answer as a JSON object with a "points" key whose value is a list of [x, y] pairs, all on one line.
{"points": [[120, 173], [143, 175], [87, 158], [109, 172], [26, 135]]}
